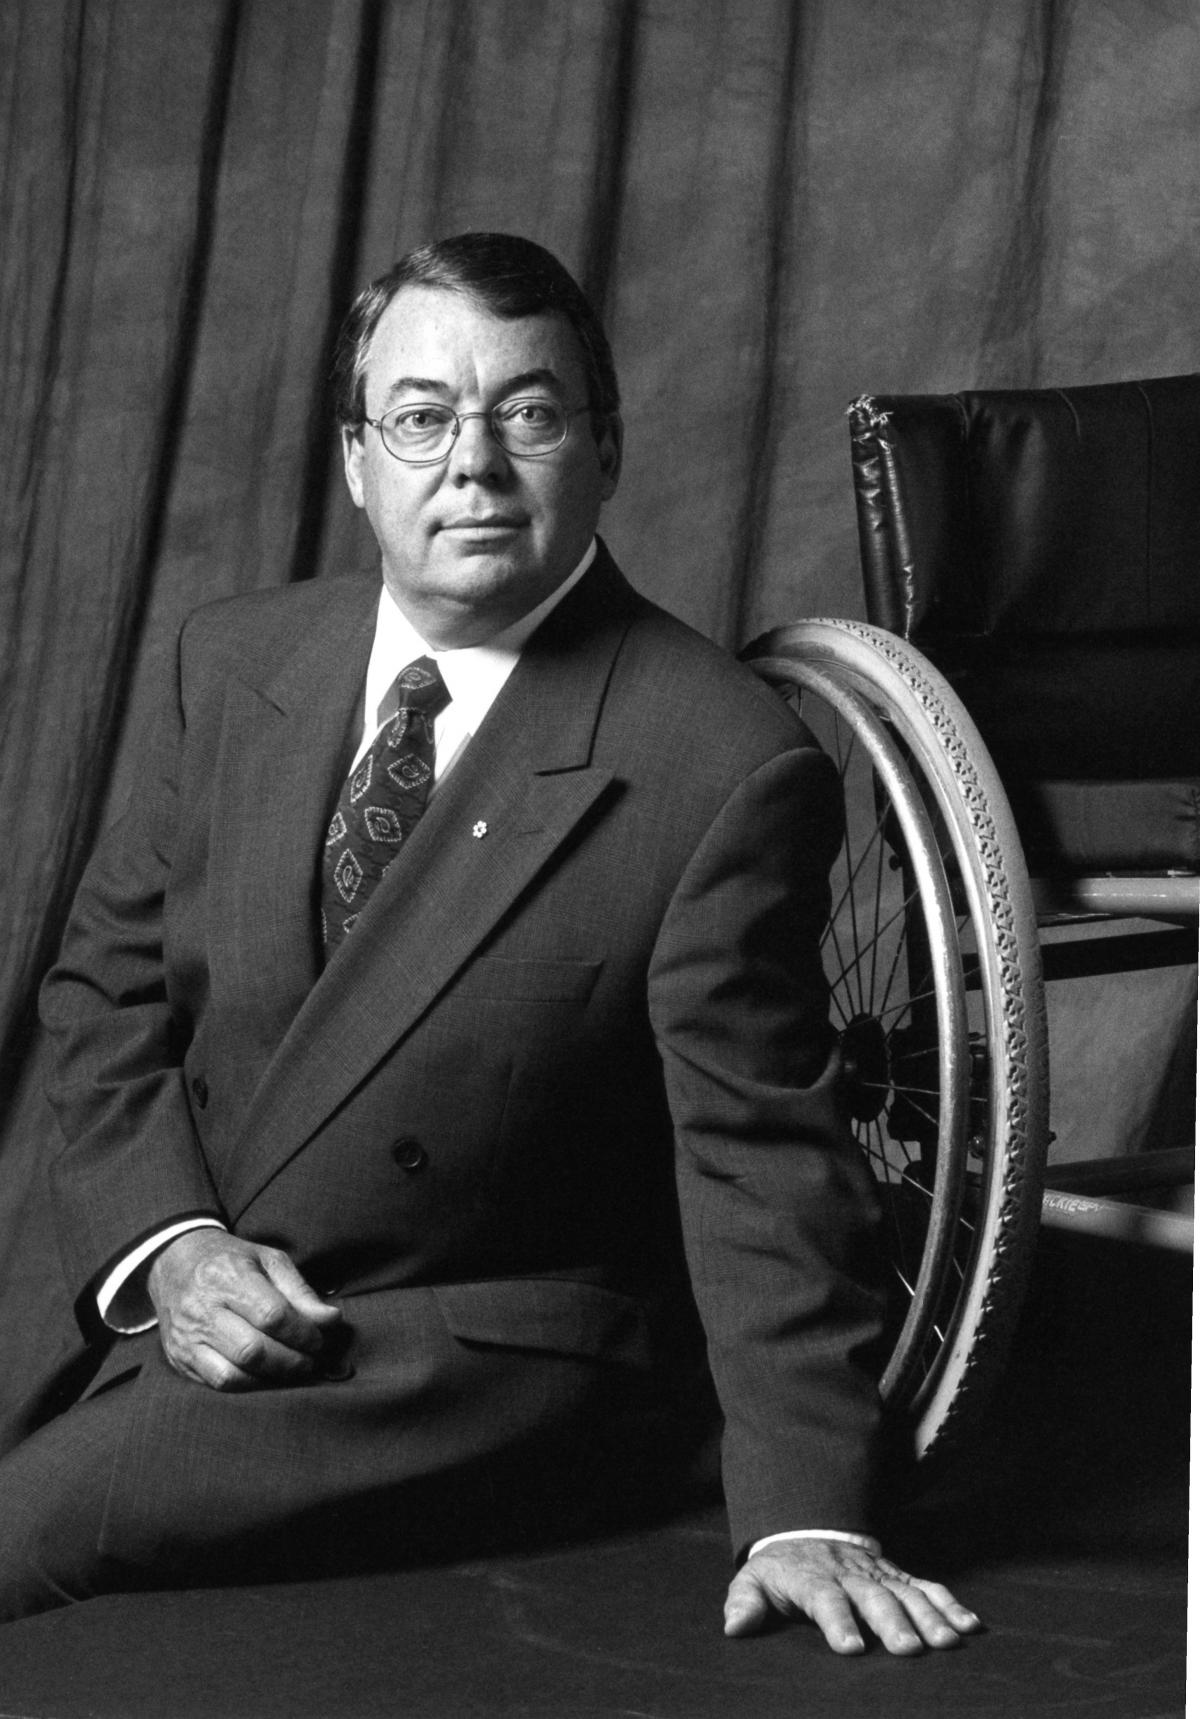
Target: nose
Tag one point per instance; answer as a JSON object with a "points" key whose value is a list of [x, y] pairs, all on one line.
{"points": [[475, 452]]}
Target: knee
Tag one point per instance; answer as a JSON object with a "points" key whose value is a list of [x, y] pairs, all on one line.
{"points": [[50, 1519]]}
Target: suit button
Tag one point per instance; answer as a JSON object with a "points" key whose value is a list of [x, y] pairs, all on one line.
{"points": [[200, 1091], [410, 1154]]}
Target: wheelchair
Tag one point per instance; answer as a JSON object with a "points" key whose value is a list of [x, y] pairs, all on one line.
{"points": [[1015, 727]]}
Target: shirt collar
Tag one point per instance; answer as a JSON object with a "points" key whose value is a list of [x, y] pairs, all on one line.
{"points": [[473, 674]]}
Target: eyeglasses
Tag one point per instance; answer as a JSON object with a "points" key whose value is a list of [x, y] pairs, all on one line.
{"points": [[422, 434]]}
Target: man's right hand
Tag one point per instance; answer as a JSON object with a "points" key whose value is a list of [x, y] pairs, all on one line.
{"points": [[235, 1315]]}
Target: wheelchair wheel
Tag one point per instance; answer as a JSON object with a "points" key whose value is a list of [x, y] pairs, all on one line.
{"points": [[932, 955]]}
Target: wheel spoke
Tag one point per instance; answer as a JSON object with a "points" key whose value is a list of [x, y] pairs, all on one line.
{"points": [[901, 1008], [861, 949], [930, 1116], [873, 842], [878, 902]]}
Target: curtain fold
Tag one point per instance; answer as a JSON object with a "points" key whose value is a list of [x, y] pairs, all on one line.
{"points": [[779, 206]]}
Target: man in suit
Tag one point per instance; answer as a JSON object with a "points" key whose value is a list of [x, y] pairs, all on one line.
{"points": [[453, 974]]}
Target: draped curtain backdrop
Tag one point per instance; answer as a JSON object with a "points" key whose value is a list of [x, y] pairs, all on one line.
{"points": [[777, 204]]}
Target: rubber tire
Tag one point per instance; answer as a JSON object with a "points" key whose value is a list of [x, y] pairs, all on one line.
{"points": [[939, 1405]]}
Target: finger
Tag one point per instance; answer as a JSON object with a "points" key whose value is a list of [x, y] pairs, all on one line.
{"points": [[296, 1289], [831, 1611], [887, 1617], [938, 1617], [962, 1617], [256, 1300], [202, 1365], [252, 1351], [746, 1605], [221, 1374]]}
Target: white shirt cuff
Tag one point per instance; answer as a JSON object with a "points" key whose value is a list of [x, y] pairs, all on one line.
{"points": [[129, 1313], [866, 1541]]}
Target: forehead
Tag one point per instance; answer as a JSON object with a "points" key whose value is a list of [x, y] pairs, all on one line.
{"points": [[430, 334]]}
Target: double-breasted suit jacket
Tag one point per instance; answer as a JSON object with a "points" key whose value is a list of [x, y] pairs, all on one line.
{"points": [[583, 1016]]}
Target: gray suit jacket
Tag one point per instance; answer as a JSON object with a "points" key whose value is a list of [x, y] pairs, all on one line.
{"points": [[582, 1017]]}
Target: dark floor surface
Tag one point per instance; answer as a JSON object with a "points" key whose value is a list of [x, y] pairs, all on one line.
{"points": [[1065, 1529]]}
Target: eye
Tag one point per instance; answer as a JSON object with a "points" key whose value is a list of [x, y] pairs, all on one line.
{"points": [[530, 414], [419, 420]]}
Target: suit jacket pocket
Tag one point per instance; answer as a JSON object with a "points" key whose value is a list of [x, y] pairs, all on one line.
{"points": [[499, 979], [126, 1356], [553, 1313]]}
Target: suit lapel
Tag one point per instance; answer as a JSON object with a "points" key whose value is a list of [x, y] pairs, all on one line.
{"points": [[281, 745], [523, 784]]}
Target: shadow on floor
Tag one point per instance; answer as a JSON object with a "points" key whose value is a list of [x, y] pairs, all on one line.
{"points": [[1087, 1447]]}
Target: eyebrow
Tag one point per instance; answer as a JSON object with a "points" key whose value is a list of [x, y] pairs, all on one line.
{"points": [[427, 385]]}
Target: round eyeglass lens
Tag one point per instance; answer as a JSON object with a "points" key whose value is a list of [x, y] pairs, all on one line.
{"points": [[529, 426], [419, 432]]}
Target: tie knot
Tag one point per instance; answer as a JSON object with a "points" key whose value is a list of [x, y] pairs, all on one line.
{"points": [[420, 687]]}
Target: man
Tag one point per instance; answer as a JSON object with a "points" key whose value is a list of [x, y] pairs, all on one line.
{"points": [[438, 911]]}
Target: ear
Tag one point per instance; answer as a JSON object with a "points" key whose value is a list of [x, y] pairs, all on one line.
{"points": [[353, 449], [611, 442]]}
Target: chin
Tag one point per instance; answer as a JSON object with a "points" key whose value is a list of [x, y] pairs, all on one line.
{"points": [[493, 595]]}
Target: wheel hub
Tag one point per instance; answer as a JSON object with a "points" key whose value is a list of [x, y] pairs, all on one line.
{"points": [[866, 1075]]}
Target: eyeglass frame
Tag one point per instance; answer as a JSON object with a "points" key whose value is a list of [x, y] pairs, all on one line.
{"points": [[460, 418]]}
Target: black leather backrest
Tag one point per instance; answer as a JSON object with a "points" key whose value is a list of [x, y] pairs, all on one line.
{"points": [[1031, 513], [1042, 546]]}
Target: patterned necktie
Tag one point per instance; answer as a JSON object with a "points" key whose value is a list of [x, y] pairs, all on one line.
{"points": [[381, 801]]}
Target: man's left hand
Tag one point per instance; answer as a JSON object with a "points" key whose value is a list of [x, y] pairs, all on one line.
{"points": [[845, 1590]]}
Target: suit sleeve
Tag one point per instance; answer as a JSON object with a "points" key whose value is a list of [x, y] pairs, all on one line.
{"points": [[776, 1201], [130, 1162]]}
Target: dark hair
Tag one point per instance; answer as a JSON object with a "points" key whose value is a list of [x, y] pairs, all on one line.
{"points": [[507, 275]]}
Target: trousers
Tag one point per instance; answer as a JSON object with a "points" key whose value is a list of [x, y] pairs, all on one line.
{"points": [[483, 1455]]}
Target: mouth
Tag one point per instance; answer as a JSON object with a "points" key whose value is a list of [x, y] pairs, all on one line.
{"points": [[484, 525]]}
